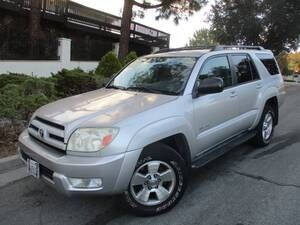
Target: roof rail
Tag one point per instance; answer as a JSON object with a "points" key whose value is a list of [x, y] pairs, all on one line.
{"points": [[239, 47], [212, 48], [183, 49]]}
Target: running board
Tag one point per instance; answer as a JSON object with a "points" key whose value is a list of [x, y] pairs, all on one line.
{"points": [[221, 149]]}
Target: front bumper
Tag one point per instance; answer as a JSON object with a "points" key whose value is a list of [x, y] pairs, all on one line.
{"points": [[56, 167]]}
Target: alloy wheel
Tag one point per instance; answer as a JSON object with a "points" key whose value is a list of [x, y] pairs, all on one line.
{"points": [[153, 183]]}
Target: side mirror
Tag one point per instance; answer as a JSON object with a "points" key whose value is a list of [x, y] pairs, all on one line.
{"points": [[211, 86]]}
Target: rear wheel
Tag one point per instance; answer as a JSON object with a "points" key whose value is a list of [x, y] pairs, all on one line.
{"points": [[265, 128], [158, 182]]}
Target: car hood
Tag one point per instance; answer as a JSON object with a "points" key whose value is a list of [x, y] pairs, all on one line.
{"points": [[105, 107]]}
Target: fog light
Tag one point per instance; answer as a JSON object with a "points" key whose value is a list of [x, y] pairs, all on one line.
{"points": [[86, 182]]}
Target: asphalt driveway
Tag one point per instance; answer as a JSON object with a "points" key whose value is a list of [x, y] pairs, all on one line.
{"points": [[245, 186]]}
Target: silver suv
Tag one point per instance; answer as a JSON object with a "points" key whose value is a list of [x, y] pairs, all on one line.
{"points": [[160, 116]]}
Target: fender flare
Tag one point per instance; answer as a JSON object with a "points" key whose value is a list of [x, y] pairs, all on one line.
{"points": [[261, 102], [159, 130]]}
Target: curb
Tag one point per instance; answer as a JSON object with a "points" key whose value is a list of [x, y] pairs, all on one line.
{"points": [[291, 83], [11, 162], [12, 176], [12, 169]]}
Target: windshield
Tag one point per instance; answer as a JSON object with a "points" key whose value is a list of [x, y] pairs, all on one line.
{"points": [[165, 75]]}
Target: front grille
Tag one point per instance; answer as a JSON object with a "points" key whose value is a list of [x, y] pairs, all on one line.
{"points": [[48, 132], [53, 136], [34, 127], [58, 126], [45, 144]]}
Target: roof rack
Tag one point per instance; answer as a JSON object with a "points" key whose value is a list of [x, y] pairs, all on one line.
{"points": [[238, 47], [212, 48], [184, 48]]}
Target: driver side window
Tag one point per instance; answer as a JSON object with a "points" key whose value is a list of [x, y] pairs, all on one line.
{"points": [[217, 67]]}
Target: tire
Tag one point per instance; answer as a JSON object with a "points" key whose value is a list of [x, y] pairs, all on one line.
{"points": [[263, 139], [146, 194]]}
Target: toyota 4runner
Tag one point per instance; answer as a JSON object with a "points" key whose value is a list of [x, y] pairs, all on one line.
{"points": [[161, 115]]}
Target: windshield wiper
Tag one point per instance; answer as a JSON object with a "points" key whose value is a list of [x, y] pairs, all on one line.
{"points": [[151, 90], [116, 87], [143, 89]]}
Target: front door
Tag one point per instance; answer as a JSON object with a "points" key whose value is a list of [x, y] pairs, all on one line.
{"points": [[214, 114]]}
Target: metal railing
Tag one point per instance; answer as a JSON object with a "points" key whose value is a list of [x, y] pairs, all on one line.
{"points": [[89, 50], [12, 49], [72, 12]]}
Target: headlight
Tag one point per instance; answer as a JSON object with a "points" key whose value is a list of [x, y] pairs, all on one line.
{"points": [[91, 139]]}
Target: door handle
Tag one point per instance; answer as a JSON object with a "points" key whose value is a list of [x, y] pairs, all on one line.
{"points": [[233, 94]]}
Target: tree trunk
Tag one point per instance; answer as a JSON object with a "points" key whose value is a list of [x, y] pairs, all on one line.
{"points": [[125, 29], [34, 25]]}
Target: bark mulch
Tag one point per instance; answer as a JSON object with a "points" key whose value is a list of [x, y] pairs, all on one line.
{"points": [[9, 132]]}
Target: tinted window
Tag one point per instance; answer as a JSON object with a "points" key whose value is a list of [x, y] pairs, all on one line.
{"points": [[242, 68], [217, 67], [269, 62]]}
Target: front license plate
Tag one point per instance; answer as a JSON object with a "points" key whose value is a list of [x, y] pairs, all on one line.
{"points": [[33, 168]]}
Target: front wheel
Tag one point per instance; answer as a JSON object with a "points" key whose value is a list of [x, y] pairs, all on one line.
{"points": [[158, 182]]}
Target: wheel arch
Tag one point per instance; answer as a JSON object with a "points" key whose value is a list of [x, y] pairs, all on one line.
{"points": [[174, 132], [179, 143], [273, 102], [269, 96]]}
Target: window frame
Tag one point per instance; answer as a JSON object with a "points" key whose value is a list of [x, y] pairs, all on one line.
{"points": [[213, 57], [234, 72]]}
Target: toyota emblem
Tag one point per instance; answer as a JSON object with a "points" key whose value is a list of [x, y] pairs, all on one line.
{"points": [[41, 133]]}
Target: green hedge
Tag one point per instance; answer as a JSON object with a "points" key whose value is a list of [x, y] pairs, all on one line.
{"points": [[12, 78], [73, 82], [19, 101], [21, 95]]}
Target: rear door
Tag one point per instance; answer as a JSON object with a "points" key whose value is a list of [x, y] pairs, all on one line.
{"points": [[248, 84], [214, 114]]}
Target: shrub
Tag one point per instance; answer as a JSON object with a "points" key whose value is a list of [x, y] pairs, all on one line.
{"points": [[36, 86], [73, 82], [101, 81], [12, 78], [108, 65], [10, 102], [19, 101], [31, 103], [130, 57]]}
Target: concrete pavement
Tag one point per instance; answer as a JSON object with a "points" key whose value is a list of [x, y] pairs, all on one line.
{"points": [[244, 187]]}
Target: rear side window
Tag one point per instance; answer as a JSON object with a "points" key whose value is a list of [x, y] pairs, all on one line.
{"points": [[269, 62]]}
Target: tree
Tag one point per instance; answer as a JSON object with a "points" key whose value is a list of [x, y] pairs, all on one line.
{"points": [[34, 23], [179, 9], [282, 59], [294, 62], [108, 65], [272, 24], [203, 37]]}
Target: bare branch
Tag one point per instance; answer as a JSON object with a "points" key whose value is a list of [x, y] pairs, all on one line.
{"points": [[149, 6]]}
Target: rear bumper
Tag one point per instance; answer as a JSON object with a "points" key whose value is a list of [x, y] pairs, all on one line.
{"points": [[56, 167]]}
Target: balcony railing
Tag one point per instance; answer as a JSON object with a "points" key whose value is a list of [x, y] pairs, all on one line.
{"points": [[81, 15]]}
